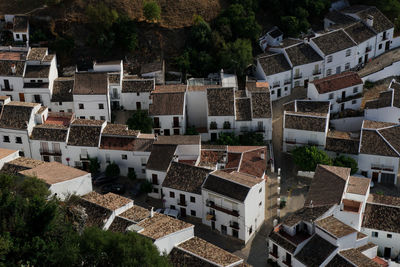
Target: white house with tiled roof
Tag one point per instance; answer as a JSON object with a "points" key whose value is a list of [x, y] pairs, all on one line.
{"points": [[19, 27], [136, 93], [343, 91], [379, 152], [305, 122]]}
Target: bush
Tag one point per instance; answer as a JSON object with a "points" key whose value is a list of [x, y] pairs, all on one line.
{"points": [[308, 157], [140, 121], [251, 139], [94, 165], [112, 170], [368, 84], [131, 175], [344, 161], [151, 11], [146, 187], [191, 131], [228, 139]]}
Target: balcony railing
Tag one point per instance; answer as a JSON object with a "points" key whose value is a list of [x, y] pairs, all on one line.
{"points": [[287, 81], [84, 156], [317, 72], [175, 125], [276, 84], [368, 49], [382, 167], [10, 88], [348, 98], [211, 204], [234, 225], [290, 141], [298, 76], [182, 202], [48, 152]]}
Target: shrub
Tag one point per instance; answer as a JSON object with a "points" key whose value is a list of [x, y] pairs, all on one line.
{"points": [[344, 161], [146, 187], [112, 170], [191, 131], [94, 165], [308, 157], [132, 174], [140, 121], [151, 11], [227, 125], [368, 84]]}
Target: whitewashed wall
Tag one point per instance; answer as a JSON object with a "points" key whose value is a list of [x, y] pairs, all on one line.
{"points": [[351, 124]]}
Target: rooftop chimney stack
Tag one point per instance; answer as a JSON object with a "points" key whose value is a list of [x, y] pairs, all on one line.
{"points": [[151, 212], [13, 69], [370, 20]]}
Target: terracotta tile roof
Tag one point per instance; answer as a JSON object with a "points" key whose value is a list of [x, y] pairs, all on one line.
{"points": [[333, 42], [335, 227], [351, 205], [201, 87], [261, 104], [382, 217], [361, 236], [37, 71], [136, 213], [359, 32], [37, 53], [305, 123], [339, 261], [185, 177], [54, 172], [358, 185], [373, 144], [302, 54], [220, 101], [282, 241], [170, 88], [288, 42], [380, 261], [209, 158], [161, 225], [273, 64], [20, 24], [315, 252], [391, 134], [358, 258], [125, 143], [83, 122], [337, 82], [119, 129], [252, 163], [15, 115], [114, 77], [178, 140], [160, 157], [210, 252], [4, 152], [327, 186], [243, 109], [6, 68], [50, 132], [167, 104], [4, 97], [178, 257], [385, 200], [233, 161], [309, 214], [48, 58], [84, 135], [62, 89], [137, 85], [20, 164], [367, 124], [91, 83], [120, 224], [342, 142], [109, 201]]}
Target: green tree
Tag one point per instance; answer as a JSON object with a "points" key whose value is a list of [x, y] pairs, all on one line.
{"points": [[229, 139], [308, 157], [345, 161], [131, 174], [191, 131], [251, 139], [125, 30], [151, 11], [94, 165], [101, 17], [146, 187], [112, 170], [237, 56], [140, 121], [200, 34]]}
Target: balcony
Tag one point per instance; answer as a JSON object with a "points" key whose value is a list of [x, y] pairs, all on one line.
{"points": [[84, 156], [211, 216], [368, 49], [298, 76], [234, 225], [349, 98], [290, 141], [115, 96], [176, 125], [260, 129], [211, 204], [36, 85], [287, 81], [317, 72], [382, 167], [182, 203], [384, 38], [47, 152], [273, 254], [8, 89], [276, 84], [156, 126]]}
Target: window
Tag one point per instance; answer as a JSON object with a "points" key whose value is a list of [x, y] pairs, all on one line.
{"points": [[224, 229], [124, 156], [138, 94], [32, 81], [108, 158], [70, 110], [193, 199], [39, 81], [354, 101], [21, 154], [82, 117], [172, 194], [143, 170], [328, 72], [329, 59], [192, 212], [92, 117], [101, 106], [61, 110], [18, 140], [355, 90], [154, 178], [380, 46], [81, 106], [331, 95], [286, 88], [297, 83], [389, 236], [17, 36], [259, 204], [102, 118], [272, 92], [348, 52], [155, 190], [57, 159], [347, 66], [251, 230], [374, 234], [259, 191], [6, 139], [60, 103], [172, 207], [46, 158]]}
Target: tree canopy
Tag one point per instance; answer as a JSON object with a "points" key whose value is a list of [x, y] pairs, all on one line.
{"points": [[308, 157], [140, 121], [151, 11], [345, 161]]}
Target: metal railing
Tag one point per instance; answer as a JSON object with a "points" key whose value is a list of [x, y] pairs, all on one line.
{"points": [[382, 167], [287, 81], [276, 84], [50, 152], [10, 88], [317, 72], [298, 76], [234, 225]]}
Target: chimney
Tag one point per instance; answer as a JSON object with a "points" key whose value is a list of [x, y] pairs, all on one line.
{"points": [[151, 212], [262, 155], [370, 20], [13, 69], [175, 158]]}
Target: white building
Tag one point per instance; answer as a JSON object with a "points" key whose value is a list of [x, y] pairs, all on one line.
{"points": [[182, 189], [338, 50], [136, 93], [275, 69], [168, 110], [305, 123], [62, 96], [7, 155], [343, 91], [19, 26], [386, 107], [273, 37], [91, 96], [155, 69], [234, 203], [12, 73], [379, 153]]}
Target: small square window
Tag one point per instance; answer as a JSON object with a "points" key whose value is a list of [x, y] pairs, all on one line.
{"points": [[172, 207], [193, 199], [17, 36], [82, 117], [81, 106], [138, 94], [60, 103], [328, 72], [103, 118], [272, 92], [348, 52], [259, 204], [259, 191], [101, 106], [57, 159], [18, 140], [6, 139], [155, 190], [172, 194], [355, 90], [374, 234], [347, 66], [389, 235], [329, 59], [124, 157], [192, 212], [21, 154], [354, 101], [380, 46], [331, 96], [46, 158], [92, 117], [286, 88]]}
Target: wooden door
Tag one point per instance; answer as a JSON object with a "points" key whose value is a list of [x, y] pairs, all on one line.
{"points": [[138, 105], [375, 176], [21, 97]]}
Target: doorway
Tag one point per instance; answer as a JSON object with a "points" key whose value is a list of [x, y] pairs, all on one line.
{"points": [[375, 176], [279, 92], [224, 229], [21, 97], [213, 137], [342, 107], [166, 132], [387, 252], [6, 84], [183, 212], [343, 94], [387, 45], [212, 225], [138, 105], [366, 58], [235, 233], [306, 83]]}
